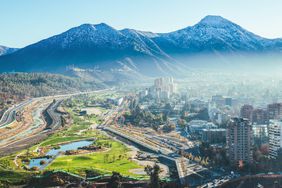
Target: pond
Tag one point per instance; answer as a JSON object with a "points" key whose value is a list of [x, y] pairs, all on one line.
{"points": [[53, 153]]}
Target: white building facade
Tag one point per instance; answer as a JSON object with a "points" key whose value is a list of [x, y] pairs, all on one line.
{"points": [[275, 137]]}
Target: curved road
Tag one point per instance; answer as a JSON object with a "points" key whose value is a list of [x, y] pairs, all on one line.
{"points": [[10, 114], [22, 141]]}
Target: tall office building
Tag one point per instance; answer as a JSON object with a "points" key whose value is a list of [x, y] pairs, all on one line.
{"points": [[274, 111], [239, 139], [247, 112], [275, 137]]}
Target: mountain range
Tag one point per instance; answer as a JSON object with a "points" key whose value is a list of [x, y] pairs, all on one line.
{"points": [[100, 50]]}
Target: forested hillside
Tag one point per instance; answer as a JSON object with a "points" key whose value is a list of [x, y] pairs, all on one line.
{"points": [[42, 84]]}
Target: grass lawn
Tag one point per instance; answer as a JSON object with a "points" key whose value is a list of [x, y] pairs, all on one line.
{"points": [[116, 156], [8, 172], [96, 161], [71, 134]]}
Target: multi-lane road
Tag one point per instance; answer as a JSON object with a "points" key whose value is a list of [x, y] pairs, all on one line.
{"points": [[25, 134], [10, 114]]}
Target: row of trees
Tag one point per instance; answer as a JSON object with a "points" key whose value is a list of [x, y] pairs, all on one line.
{"points": [[140, 117], [217, 156]]}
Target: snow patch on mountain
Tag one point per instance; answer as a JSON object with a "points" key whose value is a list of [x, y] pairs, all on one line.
{"points": [[6, 50]]}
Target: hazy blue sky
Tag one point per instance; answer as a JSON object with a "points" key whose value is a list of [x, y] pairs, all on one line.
{"points": [[23, 22]]}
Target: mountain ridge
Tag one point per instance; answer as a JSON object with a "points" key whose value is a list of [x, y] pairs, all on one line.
{"points": [[101, 47]]}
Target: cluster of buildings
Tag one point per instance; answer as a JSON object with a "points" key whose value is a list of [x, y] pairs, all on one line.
{"points": [[254, 123], [220, 100], [261, 116], [207, 131], [256, 116], [162, 89], [245, 125], [222, 108]]}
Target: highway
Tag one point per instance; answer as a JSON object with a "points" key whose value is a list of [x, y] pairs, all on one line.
{"points": [[15, 136], [52, 117], [20, 135], [10, 114]]}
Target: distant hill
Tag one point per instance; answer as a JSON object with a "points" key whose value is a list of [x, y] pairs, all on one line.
{"points": [[99, 51]]}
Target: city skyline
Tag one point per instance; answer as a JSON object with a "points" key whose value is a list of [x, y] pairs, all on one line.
{"points": [[40, 20]]}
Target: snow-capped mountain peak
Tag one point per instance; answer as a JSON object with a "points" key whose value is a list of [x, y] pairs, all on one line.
{"points": [[212, 20], [101, 45]]}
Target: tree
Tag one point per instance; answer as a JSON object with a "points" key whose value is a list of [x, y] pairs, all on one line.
{"points": [[182, 123], [115, 181], [153, 172]]}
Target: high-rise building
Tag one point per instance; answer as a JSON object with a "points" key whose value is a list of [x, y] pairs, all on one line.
{"points": [[274, 111], [239, 139], [275, 137], [247, 112], [164, 87], [260, 116]]}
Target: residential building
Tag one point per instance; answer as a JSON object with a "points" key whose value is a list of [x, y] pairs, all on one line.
{"points": [[214, 136], [260, 117], [247, 112], [274, 111], [275, 137], [239, 140], [197, 126]]}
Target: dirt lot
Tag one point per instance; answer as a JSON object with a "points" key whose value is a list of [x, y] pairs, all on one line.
{"points": [[164, 169]]}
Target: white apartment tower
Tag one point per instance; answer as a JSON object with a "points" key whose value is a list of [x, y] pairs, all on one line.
{"points": [[275, 137]]}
